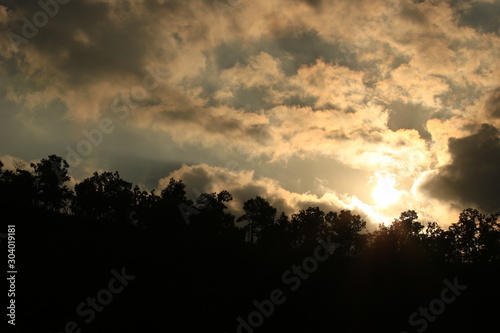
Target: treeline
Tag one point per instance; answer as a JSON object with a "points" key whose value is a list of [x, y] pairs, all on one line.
{"points": [[106, 198], [209, 265]]}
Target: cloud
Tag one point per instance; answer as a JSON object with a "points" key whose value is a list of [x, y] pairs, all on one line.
{"points": [[408, 116], [481, 15], [91, 51], [373, 86], [493, 104], [473, 175], [243, 185]]}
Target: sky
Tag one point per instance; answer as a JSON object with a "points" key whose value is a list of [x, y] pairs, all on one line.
{"points": [[373, 106]]}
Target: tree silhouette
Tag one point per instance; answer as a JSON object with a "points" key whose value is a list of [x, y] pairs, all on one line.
{"points": [[260, 217], [475, 236], [307, 226], [213, 216], [434, 242], [147, 211], [210, 263], [345, 228], [283, 232], [403, 237], [18, 190], [172, 197], [50, 177], [104, 198], [407, 230]]}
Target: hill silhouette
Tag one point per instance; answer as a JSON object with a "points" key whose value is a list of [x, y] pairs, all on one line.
{"points": [[110, 257]]}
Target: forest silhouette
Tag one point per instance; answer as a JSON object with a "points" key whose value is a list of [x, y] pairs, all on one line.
{"points": [[197, 267]]}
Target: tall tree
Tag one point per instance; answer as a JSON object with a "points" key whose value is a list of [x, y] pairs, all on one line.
{"points": [[17, 190], [406, 231], [260, 217], [212, 215], [307, 226], [104, 197], [146, 208], [434, 241], [51, 175], [345, 228], [172, 205], [475, 236]]}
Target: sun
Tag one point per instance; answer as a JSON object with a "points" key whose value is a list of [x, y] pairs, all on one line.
{"points": [[384, 192]]}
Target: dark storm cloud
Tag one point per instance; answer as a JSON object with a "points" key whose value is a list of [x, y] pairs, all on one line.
{"points": [[493, 104], [57, 38], [87, 42], [224, 126], [260, 133], [482, 16], [300, 100], [291, 48], [179, 115], [473, 176], [409, 116], [251, 99], [312, 3], [256, 98], [230, 53], [36, 133], [211, 123], [413, 14], [304, 49]]}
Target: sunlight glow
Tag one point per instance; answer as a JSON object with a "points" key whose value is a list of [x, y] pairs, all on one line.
{"points": [[357, 204], [384, 192]]}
